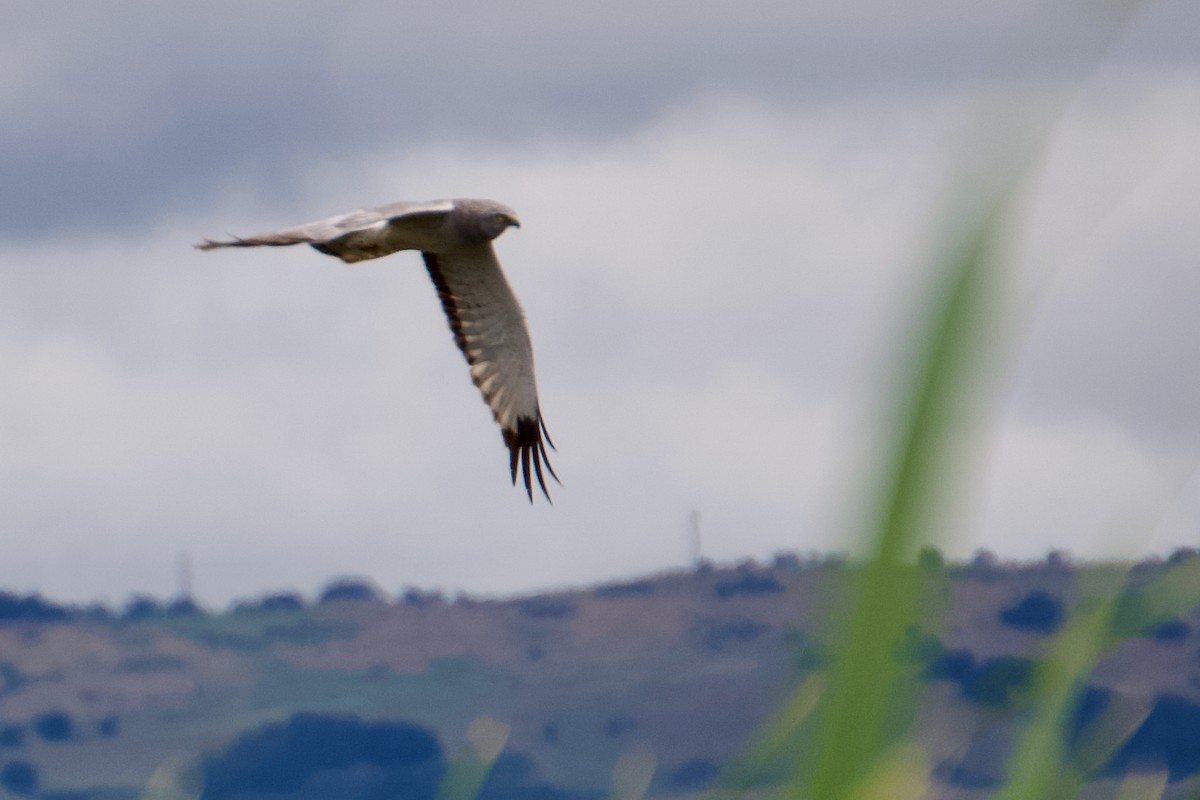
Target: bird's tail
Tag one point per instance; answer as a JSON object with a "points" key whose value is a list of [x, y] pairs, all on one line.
{"points": [[282, 239]]}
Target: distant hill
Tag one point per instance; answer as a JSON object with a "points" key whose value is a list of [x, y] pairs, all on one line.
{"points": [[355, 694]]}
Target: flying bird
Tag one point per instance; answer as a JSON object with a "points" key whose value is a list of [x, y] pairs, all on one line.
{"points": [[455, 240]]}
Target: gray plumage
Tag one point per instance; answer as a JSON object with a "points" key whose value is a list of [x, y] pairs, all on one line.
{"points": [[455, 240]]}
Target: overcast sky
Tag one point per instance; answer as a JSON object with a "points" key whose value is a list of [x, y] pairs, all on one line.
{"points": [[726, 211]]}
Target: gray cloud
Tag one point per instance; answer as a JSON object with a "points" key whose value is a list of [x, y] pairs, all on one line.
{"points": [[722, 212], [116, 114]]}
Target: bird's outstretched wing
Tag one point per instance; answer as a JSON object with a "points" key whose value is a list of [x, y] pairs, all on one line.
{"points": [[356, 236], [489, 328]]}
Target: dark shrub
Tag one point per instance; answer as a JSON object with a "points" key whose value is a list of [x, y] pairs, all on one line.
{"points": [[512, 769], [95, 612], [692, 776], [720, 636], [1182, 554], [140, 607], [311, 756], [12, 735], [55, 726], [283, 601], [1174, 630], [354, 590], [1039, 612], [183, 607], [19, 777], [108, 726], [996, 681], [547, 608], [418, 598], [787, 562], [31, 608], [985, 565], [1170, 736], [952, 665], [631, 589], [513, 776], [11, 677], [1058, 561], [748, 583]]}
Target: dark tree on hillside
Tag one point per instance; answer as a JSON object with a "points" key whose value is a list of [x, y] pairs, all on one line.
{"points": [[1173, 630], [1038, 612], [11, 677], [12, 735], [719, 636], [55, 726], [1181, 554], [514, 776], [183, 607], [31, 608], [282, 601], [19, 777], [140, 607], [985, 565], [511, 769], [547, 608], [749, 583], [691, 776], [313, 756], [1169, 736], [279, 601], [1058, 561], [631, 589], [787, 562], [357, 590], [952, 665], [95, 612], [997, 681], [419, 598]]}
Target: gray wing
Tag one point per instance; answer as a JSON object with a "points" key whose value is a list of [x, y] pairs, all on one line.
{"points": [[359, 235], [489, 328]]}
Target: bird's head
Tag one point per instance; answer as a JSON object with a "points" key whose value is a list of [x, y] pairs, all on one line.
{"points": [[486, 219]]}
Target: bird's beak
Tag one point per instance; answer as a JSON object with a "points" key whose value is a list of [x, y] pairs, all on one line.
{"points": [[513, 221]]}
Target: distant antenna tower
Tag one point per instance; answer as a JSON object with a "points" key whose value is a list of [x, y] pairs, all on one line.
{"points": [[185, 577], [694, 528]]}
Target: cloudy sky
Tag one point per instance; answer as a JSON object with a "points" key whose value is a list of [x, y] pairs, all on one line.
{"points": [[726, 213]]}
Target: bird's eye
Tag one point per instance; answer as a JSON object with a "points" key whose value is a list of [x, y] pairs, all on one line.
{"points": [[501, 219]]}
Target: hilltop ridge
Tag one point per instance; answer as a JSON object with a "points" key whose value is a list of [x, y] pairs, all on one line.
{"points": [[685, 665]]}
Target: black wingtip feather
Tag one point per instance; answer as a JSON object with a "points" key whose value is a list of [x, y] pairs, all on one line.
{"points": [[527, 445]]}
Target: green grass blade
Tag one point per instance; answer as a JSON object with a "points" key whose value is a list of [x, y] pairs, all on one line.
{"points": [[869, 691], [465, 775], [1040, 768]]}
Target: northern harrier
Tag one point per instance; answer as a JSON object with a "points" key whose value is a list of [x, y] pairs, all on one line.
{"points": [[455, 239]]}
